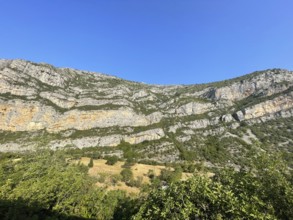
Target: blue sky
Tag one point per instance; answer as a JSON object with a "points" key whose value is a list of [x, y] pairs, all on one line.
{"points": [[152, 41]]}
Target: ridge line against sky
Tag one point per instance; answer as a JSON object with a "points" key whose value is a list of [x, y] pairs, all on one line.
{"points": [[156, 41], [154, 84]]}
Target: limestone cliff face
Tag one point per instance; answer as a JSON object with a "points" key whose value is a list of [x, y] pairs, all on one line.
{"points": [[194, 108], [275, 105], [268, 83], [31, 116], [109, 140], [103, 110]]}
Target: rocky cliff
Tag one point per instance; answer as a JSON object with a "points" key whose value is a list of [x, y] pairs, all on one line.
{"points": [[44, 106]]}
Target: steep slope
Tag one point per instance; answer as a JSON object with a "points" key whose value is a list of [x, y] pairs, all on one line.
{"points": [[44, 106]]}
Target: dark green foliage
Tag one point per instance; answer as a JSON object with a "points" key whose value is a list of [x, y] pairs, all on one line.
{"points": [[171, 176], [128, 151], [188, 155], [184, 153], [91, 163], [127, 175], [263, 192], [41, 137], [149, 162], [198, 198], [92, 152], [98, 107], [44, 186], [192, 167], [129, 163], [214, 151], [111, 160], [135, 182], [23, 210], [151, 174]]}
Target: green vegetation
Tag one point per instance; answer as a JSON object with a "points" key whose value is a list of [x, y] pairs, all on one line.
{"points": [[40, 138], [8, 96], [264, 192], [111, 160], [98, 107], [46, 185], [127, 175], [170, 176], [91, 163], [50, 185], [95, 131], [129, 152], [214, 151]]}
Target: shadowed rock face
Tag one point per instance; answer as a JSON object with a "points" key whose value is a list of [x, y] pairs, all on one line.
{"points": [[104, 110]]}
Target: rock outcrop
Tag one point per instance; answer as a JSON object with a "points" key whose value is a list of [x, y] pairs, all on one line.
{"points": [[56, 103]]}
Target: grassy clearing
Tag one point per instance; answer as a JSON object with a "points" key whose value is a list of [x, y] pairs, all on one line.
{"points": [[141, 170], [109, 177]]}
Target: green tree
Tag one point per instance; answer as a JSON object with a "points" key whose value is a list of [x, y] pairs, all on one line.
{"points": [[264, 191], [112, 160], [43, 185], [91, 163], [199, 198], [171, 176], [127, 175]]}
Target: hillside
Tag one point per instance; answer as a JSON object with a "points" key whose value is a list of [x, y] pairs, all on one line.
{"points": [[83, 145], [42, 106]]}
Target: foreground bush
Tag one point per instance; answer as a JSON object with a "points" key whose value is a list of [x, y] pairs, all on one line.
{"points": [[263, 192], [43, 185]]}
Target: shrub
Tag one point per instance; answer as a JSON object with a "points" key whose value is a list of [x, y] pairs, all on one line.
{"points": [[127, 175], [171, 176], [91, 163], [151, 174], [263, 192], [135, 182], [112, 160]]}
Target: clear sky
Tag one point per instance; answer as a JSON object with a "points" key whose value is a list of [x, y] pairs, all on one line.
{"points": [[151, 41]]}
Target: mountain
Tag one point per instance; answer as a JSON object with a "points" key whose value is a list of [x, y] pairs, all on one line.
{"points": [[42, 106]]}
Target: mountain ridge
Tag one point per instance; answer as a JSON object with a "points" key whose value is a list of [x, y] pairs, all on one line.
{"points": [[63, 107], [240, 77]]}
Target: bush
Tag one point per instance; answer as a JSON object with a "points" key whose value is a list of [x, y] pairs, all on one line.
{"points": [[151, 174], [129, 163], [112, 160], [135, 182], [171, 176], [263, 192], [127, 175], [91, 163], [44, 186]]}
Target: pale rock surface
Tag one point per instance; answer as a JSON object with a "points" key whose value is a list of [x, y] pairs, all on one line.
{"points": [[41, 98]]}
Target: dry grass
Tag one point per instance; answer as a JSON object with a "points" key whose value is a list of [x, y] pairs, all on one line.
{"points": [[100, 168], [141, 170]]}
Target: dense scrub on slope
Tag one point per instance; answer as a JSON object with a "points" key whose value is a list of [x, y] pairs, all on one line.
{"points": [[45, 185], [263, 192]]}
